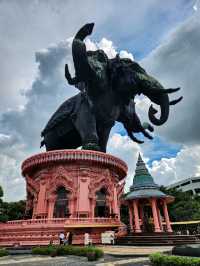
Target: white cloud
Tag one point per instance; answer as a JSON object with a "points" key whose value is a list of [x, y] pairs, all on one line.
{"points": [[166, 171], [186, 164], [196, 6], [10, 174], [107, 47], [125, 54], [28, 26], [176, 63]]}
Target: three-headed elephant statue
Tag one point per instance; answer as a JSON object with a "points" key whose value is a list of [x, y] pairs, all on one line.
{"points": [[108, 88]]}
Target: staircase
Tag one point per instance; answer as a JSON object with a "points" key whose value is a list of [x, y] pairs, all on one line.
{"points": [[156, 239]]}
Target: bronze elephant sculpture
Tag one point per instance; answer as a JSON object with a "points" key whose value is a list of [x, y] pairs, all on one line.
{"points": [[107, 91]]}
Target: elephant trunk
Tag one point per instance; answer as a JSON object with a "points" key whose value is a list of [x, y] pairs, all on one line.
{"points": [[164, 111], [151, 88], [79, 53]]}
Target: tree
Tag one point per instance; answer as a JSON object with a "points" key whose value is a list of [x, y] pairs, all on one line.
{"points": [[15, 210], [1, 193], [3, 216], [11, 210], [186, 206]]}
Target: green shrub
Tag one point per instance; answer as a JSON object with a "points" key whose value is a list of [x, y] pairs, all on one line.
{"points": [[158, 259], [3, 252], [43, 250], [187, 250], [67, 250]]}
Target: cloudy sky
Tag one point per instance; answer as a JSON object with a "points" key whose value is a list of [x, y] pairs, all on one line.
{"points": [[164, 36]]}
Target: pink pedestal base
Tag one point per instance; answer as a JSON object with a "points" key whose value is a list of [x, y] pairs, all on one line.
{"points": [[82, 174], [43, 231]]}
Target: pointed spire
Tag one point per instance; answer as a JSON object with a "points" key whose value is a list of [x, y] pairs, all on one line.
{"points": [[142, 177], [141, 168]]}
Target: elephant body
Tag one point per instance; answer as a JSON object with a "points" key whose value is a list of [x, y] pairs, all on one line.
{"points": [[78, 123]]}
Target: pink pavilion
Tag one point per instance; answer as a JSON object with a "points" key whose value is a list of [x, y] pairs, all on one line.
{"points": [[147, 203]]}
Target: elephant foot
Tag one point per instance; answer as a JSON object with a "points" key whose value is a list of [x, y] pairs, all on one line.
{"points": [[91, 146]]}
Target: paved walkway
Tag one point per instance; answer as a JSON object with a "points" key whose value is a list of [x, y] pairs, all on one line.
{"points": [[29, 260], [127, 262], [133, 250], [36, 260]]}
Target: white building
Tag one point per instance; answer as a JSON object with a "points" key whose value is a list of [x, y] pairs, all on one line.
{"points": [[191, 185]]}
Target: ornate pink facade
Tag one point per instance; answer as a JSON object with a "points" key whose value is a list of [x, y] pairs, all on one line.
{"points": [[91, 182]]}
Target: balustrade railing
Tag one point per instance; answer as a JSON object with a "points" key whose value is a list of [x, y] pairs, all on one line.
{"points": [[67, 221]]}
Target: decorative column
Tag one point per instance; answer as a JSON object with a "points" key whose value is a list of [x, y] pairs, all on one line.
{"points": [[166, 215], [41, 205], [119, 213], [83, 194], [159, 218], [115, 203], [155, 215], [92, 206], [109, 204], [130, 217], [141, 214], [34, 208], [136, 216], [51, 205], [73, 207]]}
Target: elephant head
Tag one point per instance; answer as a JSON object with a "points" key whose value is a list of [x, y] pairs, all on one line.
{"points": [[150, 87]]}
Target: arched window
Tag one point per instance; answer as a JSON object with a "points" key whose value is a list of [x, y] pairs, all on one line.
{"points": [[101, 210], [61, 209]]}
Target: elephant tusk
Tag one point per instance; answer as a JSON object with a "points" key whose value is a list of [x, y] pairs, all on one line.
{"points": [[171, 90], [146, 134], [148, 126], [176, 101], [152, 109], [133, 138]]}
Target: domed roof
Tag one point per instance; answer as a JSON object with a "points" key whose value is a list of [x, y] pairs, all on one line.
{"points": [[143, 184]]}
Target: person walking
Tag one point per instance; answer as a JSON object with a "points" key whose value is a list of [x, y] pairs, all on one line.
{"points": [[61, 238], [66, 239]]}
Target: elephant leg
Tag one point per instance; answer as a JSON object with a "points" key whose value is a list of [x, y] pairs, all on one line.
{"points": [[52, 141], [103, 133], [85, 123]]}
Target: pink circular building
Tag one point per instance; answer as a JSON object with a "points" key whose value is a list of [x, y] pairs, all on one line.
{"points": [[68, 190]]}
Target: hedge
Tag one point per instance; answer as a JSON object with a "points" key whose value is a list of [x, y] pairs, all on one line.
{"points": [[68, 250], [158, 259], [3, 252]]}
